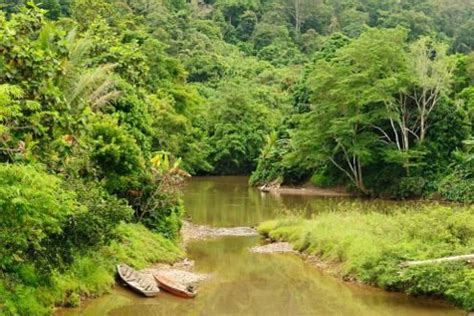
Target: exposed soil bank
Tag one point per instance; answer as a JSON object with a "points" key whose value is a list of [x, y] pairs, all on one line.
{"points": [[190, 231]]}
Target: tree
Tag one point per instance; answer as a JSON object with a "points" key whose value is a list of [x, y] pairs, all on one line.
{"points": [[234, 9], [248, 21], [433, 73], [87, 11], [10, 110], [300, 10], [52, 7], [346, 93], [236, 137]]}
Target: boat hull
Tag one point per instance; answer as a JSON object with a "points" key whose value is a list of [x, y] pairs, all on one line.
{"points": [[172, 287], [137, 282]]}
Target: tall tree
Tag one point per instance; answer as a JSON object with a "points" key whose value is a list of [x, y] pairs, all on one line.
{"points": [[433, 73], [300, 10]]}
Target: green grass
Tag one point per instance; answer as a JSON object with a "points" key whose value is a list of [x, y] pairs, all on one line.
{"points": [[90, 275], [370, 246]]}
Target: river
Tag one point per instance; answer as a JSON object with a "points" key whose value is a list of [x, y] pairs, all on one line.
{"points": [[245, 283]]}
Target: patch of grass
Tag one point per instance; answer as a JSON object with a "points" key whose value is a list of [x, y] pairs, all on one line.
{"points": [[139, 247], [370, 246]]}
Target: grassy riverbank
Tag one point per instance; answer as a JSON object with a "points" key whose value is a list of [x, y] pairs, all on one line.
{"points": [[90, 275], [370, 246]]}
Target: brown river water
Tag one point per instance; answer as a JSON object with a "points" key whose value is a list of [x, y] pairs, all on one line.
{"points": [[245, 283]]}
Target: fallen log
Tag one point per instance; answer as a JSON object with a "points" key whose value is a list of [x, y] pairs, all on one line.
{"points": [[265, 188], [469, 258]]}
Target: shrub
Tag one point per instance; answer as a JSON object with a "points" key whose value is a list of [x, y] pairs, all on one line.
{"points": [[162, 212], [90, 274], [33, 206], [90, 228], [116, 156], [409, 187], [139, 247], [458, 186], [95, 226]]}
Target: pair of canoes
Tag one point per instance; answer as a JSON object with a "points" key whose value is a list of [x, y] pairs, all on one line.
{"points": [[143, 285]]}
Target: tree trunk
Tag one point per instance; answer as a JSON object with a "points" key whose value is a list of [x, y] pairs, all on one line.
{"points": [[422, 127], [297, 16]]}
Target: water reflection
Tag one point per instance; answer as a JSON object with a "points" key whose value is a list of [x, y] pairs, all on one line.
{"points": [[230, 201]]}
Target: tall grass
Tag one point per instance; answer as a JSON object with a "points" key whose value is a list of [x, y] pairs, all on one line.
{"points": [[370, 246]]}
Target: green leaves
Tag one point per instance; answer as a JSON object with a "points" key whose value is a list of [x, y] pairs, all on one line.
{"points": [[33, 207], [236, 137]]}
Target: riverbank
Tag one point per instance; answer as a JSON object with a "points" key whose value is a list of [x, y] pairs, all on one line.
{"points": [[370, 247], [94, 274], [148, 252], [90, 275]]}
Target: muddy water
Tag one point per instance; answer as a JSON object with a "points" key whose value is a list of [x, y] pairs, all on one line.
{"points": [[244, 283]]}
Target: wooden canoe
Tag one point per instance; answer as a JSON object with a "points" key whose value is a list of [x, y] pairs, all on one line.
{"points": [[137, 281], [174, 287]]}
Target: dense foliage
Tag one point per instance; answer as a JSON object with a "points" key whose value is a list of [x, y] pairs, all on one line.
{"points": [[371, 246], [211, 81], [105, 105]]}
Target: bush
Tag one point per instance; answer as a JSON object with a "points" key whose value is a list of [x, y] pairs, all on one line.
{"points": [[139, 247], [62, 239], [162, 211], [269, 167], [458, 186], [116, 157], [409, 187], [33, 206], [94, 226], [322, 178]]}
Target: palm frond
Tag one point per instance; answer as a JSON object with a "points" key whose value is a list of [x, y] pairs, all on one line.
{"points": [[96, 87], [105, 99]]}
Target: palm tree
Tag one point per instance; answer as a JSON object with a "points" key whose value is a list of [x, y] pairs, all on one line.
{"points": [[82, 86]]}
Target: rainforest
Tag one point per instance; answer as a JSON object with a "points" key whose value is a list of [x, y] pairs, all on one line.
{"points": [[110, 108]]}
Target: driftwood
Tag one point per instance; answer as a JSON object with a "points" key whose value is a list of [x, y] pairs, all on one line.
{"points": [[267, 187], [468, 258]]}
